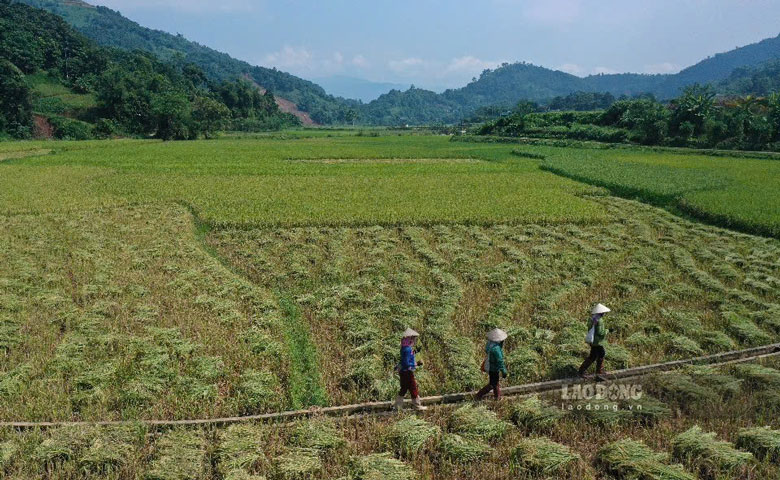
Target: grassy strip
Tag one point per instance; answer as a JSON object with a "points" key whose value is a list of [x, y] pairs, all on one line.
{"points": [[305, 383]]}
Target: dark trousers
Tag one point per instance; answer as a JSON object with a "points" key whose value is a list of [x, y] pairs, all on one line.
{"points": [[597, 354], [408, 384], [493, 385]]}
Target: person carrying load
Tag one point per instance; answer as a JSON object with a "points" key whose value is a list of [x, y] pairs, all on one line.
{"points": [[405, 369], [596, 338], [494, 363]]}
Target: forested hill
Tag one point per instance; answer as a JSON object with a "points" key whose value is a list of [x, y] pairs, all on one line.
{"points": [[511, 83], [109, 28]]}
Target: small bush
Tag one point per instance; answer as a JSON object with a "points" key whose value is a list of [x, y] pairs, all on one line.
{"points": [[631, 459], [541, 456], [69, 129], [702, 452], [763, 442]]}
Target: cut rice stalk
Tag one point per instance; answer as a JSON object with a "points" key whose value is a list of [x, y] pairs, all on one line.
{"points": [[180, 455], [763, 442], [533, 414], [462, 449], [541, 455], [379, 466], [411, 434], [758, 376], [477, 421], [298, 464], [631, 459], [318, 433], [702, 452]]}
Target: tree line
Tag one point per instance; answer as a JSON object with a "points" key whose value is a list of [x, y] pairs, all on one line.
{"points": [[697, 118]]}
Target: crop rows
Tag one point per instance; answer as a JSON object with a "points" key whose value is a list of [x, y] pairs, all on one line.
{"points": [[120, 314], [360, 287], [669, 432]]}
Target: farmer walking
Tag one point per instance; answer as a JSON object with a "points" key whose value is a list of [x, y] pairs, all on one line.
{"points": [[596, 338], [406, 369], [494, 362]]}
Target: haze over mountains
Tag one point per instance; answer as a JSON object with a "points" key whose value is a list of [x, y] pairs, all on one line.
{"points": [[504, 86], [357, 88]]}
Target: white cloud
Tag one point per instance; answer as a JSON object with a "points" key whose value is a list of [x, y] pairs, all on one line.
{"points": [[572, 68], [469, 65], [664, 67], [360, 61], [290, 57], [604, 70], [198, 6], [406, 65]]}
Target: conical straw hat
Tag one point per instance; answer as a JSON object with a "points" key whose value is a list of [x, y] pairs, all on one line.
{"points": [[497, 335], [410, 333], [599, 308]]}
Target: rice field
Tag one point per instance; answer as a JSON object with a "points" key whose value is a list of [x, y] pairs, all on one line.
{"points": [[736, 437], [147, 280], [733, 192]]}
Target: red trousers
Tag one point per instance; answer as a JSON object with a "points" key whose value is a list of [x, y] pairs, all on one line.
{"points": [[408, 384]]}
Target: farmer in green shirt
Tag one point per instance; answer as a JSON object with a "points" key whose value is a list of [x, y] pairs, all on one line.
{"points": [[596, 338], [494, 363]]}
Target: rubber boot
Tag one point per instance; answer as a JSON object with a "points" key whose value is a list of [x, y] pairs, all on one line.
{"points": [[418, 405], [399, 403]]}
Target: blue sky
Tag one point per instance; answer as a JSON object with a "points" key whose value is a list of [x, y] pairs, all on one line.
{"points": [[437, 43]]}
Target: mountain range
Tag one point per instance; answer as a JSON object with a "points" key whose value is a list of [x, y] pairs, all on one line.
{"points": [[505, 85]]}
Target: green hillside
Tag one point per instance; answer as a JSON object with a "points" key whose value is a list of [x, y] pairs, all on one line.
{"points": [[55, 82], [109, 28]]}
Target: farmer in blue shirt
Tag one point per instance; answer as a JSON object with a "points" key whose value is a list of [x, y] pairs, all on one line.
{"points": [[406, 369]]}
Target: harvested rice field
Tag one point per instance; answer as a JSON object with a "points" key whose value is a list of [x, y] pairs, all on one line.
{"points": [[723, 429], [165, 281]]}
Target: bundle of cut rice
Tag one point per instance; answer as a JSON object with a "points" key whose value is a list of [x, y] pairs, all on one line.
{"points": [[541, 455], [180, 455], [758, 376], [379, 466], [462, 449], [320, 434], [409, 435], [763, 442], [683, 390], [240, 450], [477, 421], [702, 452], [298, 464], [533, 414], [631, 459]]}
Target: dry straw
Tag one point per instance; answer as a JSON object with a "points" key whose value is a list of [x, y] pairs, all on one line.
{"points": [[763, 442], [542, 456], [631, 459], [711, 457], [411, 434]]}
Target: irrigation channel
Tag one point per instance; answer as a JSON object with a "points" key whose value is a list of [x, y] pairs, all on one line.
{"points": [[378, 408]]}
